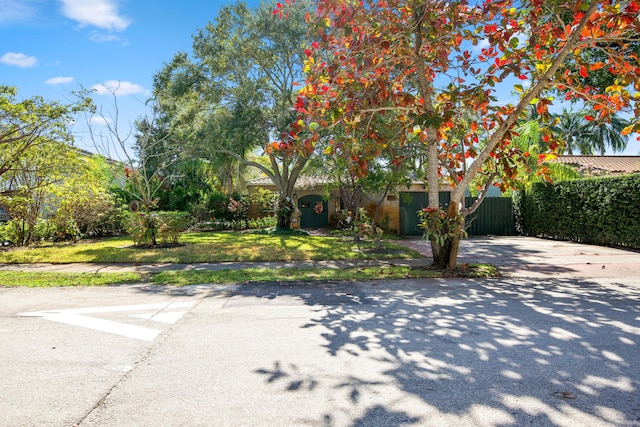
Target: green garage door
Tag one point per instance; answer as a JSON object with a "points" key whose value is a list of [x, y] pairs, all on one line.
{"points": [[494, 216], [313, 210]]}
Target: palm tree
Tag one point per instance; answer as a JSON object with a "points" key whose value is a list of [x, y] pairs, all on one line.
{"points": [[589, 137], [576, 132], [529, 140], [610, 134]]}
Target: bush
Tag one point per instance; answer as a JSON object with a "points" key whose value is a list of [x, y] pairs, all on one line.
{"points": [[260, 223], [217, 203], [264, 200], [600, 211], [171, 224], [17, 232], [166, 226]]}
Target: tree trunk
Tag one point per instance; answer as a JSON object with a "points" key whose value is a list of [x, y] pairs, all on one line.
{"points": [[454, 208], [441, 253], [445, 256], [285, 211]]}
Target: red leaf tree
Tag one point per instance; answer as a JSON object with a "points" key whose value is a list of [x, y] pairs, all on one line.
{"points": [[456, 77]]}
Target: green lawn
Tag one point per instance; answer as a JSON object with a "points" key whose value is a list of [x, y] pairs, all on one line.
{"points": [[244, 276], [209, 247], [44, 279], [220, 247], [256, 275]]}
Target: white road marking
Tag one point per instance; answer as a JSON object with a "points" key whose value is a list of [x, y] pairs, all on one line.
{"points": [[77, 317], [169, 318]]}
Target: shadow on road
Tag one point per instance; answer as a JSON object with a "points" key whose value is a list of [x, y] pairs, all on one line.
{"points": [[483, 352]]}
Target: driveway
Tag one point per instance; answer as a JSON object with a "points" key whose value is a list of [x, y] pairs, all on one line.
{"points": [[555, 348], [518, 256]]}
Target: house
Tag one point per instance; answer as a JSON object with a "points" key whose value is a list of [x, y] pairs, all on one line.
{"points": [[317, 205], [602, 165]]}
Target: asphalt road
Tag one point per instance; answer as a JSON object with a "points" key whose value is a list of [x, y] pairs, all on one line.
{"points": [[558, 348]]}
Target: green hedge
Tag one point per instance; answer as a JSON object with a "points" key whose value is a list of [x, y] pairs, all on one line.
{"points": [[602, 211]]}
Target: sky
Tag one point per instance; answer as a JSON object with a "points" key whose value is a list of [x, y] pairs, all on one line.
{"points": [[53, 47]]}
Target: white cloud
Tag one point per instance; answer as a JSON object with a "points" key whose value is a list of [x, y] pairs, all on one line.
{"points": [[97, 13], [58, 80], [99, 121], [106, 38], [482, 44], [119, 88], [16, 10], [18, 60]]}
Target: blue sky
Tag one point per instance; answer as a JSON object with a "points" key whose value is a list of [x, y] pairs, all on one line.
{"points": [[53, 47]]}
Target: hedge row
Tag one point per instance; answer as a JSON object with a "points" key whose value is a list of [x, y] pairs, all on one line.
{"points": [[602, 211]]}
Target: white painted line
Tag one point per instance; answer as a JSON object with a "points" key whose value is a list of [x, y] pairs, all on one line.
{"points": [[169, 318], [77, 317], [136, 307], [102, 325]]}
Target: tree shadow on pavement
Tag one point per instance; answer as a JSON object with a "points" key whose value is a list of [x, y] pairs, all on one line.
{"points": [[495, 352]]}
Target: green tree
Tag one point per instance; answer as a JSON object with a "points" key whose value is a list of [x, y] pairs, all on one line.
{"points": [[421, 62], [27, 125], [235, 94], [31, 182], [574, 131], [82, 203]]}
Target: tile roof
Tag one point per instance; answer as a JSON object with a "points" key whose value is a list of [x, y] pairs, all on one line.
{"points": [[613, 164], [302, 182]]}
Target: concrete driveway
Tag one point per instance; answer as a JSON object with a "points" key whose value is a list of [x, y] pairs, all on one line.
{"points": [[518, 256], [552, 348]]}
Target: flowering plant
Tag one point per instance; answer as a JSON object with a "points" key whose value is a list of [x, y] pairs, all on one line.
{"points": [[439, 227]]}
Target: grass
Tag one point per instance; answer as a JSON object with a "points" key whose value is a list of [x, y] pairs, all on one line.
{"points": [[244, 276], [284, 275], [55, 279], [208, 247], [222, 247]]}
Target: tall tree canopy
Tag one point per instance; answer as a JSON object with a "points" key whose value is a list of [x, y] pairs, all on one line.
{"points": [[235, 93], [425, 63]]}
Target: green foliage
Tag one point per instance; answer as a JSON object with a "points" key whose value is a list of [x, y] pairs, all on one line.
{"points": [[234, 92], [216, 204], [600, 211], [28, 124], [285, 212], [262, 223], [439, 227], [48, 279], [365, 229], [237, 211], [210, 247], [145, 228], [276, 231], [263, 199], [171, 224], [18, 232]]}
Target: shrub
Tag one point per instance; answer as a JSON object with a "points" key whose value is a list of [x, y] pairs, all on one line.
{"points": [[601, 210], [260, 223], [263, 199], [136, 227], [18, 232], [171, 224], [146, 228], [217, 203]]}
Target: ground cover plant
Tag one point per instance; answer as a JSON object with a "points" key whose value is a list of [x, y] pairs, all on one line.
{"points": [[239, 276], [208, 247], [288, 275], [48, 279]]}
